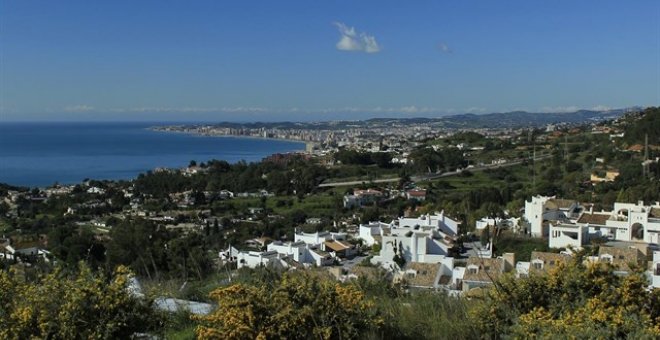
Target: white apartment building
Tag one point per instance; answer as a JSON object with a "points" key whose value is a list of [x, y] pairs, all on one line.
{"points": [[426, 239], [254, 259], [302, 252], [627, 222], [542, 208]]}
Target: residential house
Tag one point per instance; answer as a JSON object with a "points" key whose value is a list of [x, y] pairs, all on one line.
{"points": [[302, 253], [623, 259], [428, 275], [362, 197], [627, 222], [481, 272], [258, 242], [341, 249], [372, 232], [416, 194], [254, 259], [542, 209], [542, 262], [427, 239]]}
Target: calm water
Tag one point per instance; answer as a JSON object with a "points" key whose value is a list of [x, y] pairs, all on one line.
{"points": [[40, 154]]}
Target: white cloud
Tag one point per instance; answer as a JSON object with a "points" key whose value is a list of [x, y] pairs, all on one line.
{"points": [[79, 108], [161, 109], [573, 108], [411, 109], [559, 109], [350, 40], [475, 109], [444, 48], [601, 108]]}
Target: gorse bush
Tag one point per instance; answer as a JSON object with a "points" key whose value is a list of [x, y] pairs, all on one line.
{"points": [[300, 306], [83, 305], [574, 300]]}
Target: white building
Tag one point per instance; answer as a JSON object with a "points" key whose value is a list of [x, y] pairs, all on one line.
{"points": [[542, 208], [438, 221], [485, 222], [425, 239], [302, 253], [372, 233], [312, 238], [627, 222], [568, 236], [96, 190], [254, 259], [429, 275], [654, 272]]}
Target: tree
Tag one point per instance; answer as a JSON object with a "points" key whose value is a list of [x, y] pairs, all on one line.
{"points": [[485, 236], [299, 306]]}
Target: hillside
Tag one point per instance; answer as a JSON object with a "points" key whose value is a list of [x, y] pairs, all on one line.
{"points": [[515, 119]]}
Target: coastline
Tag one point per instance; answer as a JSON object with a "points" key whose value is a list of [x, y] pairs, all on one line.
{"points": [[200, 134], [118, 151]]}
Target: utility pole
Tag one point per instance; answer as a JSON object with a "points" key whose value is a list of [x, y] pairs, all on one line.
{"points": [[534, 168], [646, 164]]}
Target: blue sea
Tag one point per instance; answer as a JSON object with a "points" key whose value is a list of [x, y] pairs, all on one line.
{"points": [[41, 154]]}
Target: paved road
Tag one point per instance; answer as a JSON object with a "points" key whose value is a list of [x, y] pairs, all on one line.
{"points": [[431, 176]]}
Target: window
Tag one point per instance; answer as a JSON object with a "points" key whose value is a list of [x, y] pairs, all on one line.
{"points": [[552, 262], [621, 257], [538, 265]]}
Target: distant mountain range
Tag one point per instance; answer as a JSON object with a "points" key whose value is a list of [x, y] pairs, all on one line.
{"points": [[527, 119], [515, 119]]}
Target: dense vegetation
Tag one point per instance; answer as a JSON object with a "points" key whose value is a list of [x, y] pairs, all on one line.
{"points": [[76, 304], [577, 299]]}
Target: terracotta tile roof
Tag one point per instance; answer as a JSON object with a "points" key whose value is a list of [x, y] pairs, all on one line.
{"points": [[335, 246], [489, 269], [366, 272], [598, 219], [417, 193], [622, 257], [550, 260], [426, 274], [367, 192]]}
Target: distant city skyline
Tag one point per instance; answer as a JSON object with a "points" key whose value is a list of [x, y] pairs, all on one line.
{"points": [[300, 60]]}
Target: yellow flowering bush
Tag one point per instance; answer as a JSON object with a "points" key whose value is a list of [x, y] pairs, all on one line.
{"points": [[574, 301], [299, 306], [83, 305]]}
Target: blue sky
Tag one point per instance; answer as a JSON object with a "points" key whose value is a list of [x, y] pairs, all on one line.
{"points": [[316, 60]]}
